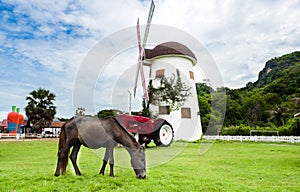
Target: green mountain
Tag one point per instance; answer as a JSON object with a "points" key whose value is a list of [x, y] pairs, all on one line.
{"points": [[268, 104], [281, 75]]}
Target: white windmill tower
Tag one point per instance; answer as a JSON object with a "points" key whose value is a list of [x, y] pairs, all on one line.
{"points": [[165, 59]]}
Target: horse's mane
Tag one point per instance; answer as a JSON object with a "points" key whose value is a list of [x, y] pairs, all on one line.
{"points": [[126, 131]]}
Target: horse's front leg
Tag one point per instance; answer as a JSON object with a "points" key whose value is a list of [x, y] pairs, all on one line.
{"points": [[102, 170], [108, 157], [105, 160]]}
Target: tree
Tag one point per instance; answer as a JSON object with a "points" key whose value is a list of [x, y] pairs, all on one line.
{"points": [[145, 111], [80, 111], [254, 108], [107, 113], [63, 119], [204, 100], [277, 115], [172, 91], [268, 103], [234, 113], [218, 109], [40, 109]]}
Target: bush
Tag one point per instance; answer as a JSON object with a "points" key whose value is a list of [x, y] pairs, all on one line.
{"points": [[292, 127], [237, 130]]}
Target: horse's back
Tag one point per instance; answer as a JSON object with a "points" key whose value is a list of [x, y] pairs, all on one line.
{"points": [[94, 132]]}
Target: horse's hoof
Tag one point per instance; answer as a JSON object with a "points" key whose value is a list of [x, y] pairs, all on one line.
{"points": [[56, 175]]}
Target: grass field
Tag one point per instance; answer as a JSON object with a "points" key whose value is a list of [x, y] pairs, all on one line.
{"points": [[227, 166]]}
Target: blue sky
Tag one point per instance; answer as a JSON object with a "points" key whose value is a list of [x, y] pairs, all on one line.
{"points": [[43, 43]]}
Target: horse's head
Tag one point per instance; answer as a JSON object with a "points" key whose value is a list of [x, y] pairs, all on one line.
{"points": [[138, 162]]}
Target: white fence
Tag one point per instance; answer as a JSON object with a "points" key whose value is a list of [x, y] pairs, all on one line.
{"points": [[12, 135], [287, 139]]}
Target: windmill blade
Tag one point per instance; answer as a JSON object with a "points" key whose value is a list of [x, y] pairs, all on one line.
{"points": [[146, 96], [141, 52], [150, 15], [138, 32], [140, 66], [136, 79]]}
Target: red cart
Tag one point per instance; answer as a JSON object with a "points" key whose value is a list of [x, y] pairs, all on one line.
{"points": [[145, 129]]}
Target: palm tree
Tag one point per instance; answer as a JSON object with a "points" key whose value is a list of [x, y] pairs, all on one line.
{"points": [[40, 109]]}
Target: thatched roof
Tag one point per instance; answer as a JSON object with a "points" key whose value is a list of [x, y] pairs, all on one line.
{"points": [[170, 48]]}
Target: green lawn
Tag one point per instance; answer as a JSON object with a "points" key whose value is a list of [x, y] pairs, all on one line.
{"points": [[227, 166]]}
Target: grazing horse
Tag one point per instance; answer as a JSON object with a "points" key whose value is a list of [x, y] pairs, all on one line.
{"points": [[94, 132]]}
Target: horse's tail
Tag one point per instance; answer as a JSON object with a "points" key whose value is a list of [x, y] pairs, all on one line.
{"points": [[61, 149]]}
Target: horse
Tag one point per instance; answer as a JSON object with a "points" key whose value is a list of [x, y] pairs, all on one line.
{"points": [[94, 133]]}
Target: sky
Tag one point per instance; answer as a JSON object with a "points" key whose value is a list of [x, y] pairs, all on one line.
{"points": [[46, 44]]}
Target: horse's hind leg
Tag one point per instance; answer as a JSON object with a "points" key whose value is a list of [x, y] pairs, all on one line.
{"points": [[74, 155], [57, 172], [62, 160], [111, 164]]}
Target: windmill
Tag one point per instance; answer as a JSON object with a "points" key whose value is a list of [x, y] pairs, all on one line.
{"points": [[165, 59], [141, 48]]}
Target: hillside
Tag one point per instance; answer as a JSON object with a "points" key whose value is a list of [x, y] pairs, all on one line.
{"points": [[267, 104], [281, 75]]}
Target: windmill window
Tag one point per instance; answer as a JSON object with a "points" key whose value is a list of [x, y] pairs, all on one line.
{"points": [[186, 113], [192, 75], [160, 73], [164, 110]]}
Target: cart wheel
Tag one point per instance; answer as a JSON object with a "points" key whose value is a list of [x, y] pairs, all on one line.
{"points": [[164, 135]]}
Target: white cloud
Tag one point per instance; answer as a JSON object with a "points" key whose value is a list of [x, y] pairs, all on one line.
{"points": [[44, 42]]}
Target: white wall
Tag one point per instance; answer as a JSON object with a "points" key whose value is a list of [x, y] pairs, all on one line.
{"points": [[184, 128]]}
